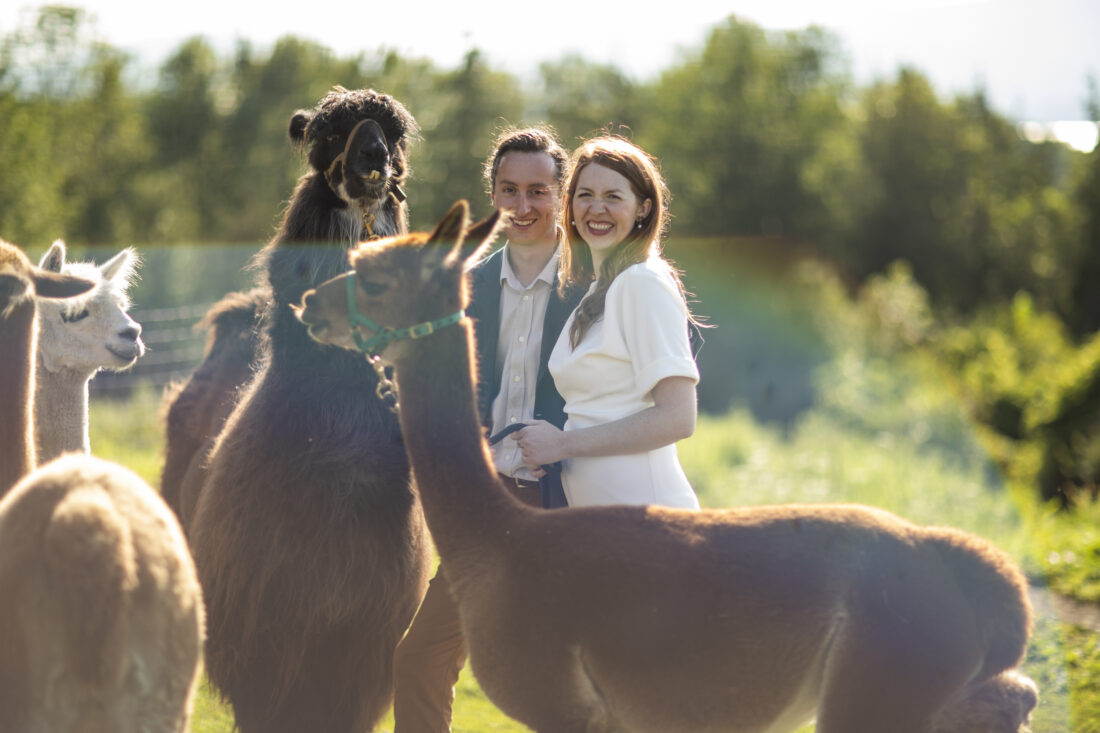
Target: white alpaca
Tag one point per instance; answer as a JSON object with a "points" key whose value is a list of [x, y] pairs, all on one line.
{"points": [[77, 338]]}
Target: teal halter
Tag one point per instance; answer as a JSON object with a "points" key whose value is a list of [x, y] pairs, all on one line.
{"points": [[383, 335]]}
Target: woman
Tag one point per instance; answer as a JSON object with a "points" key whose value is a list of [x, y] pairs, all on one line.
{"points": [[623, 362]]}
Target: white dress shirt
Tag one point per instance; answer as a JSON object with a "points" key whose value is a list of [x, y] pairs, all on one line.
{"points": [[522, 312]]}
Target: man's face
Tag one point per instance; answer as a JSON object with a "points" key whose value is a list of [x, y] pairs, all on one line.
{"points": [[527, 187]]}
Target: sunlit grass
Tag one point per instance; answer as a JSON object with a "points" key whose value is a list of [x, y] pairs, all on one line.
{"points": [[211, 715], [129, 432]]}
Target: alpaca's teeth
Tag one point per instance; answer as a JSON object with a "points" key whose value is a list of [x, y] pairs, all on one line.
{"points": [[375, 175]]}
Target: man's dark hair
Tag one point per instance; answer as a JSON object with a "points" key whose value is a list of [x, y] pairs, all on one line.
{"points": [[537, 139]]}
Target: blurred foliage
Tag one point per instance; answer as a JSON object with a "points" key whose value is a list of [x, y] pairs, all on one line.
{"points": [[1036, 392], [760, 133], [737, 124], [580, 99], [1083, 316], [464, 108], [952, 189], [762, 340], [878, 381], [1032, 390]]}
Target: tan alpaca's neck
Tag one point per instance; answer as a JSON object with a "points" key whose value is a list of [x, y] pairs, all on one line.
{"points": [[17, 455], [462, 498], [60, 413]]}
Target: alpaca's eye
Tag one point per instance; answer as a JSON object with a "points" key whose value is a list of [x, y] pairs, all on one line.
{"points": [[373, 288], [74, 317]]}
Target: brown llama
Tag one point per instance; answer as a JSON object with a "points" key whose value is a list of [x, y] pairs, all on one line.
{"points": [[198, 407], [649, 619], [309, 540], [102, 608], [21, 284], [352, 192]]}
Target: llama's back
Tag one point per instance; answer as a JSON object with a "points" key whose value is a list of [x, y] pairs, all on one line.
{"points": [[197, 409], [106, 618]]}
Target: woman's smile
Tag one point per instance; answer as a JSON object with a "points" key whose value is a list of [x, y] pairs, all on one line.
{"points": [[605, 208]]}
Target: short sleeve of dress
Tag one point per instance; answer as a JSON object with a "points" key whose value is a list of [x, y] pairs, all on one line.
{"points": [[652, 318]]}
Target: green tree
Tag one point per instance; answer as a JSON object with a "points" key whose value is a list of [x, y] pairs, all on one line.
{"points": [[953, 190], [31, 211], [580, 99], [1035, 392], [183, 111], [46, 55], [73, 147], [737, 124], [470, 103], [184, 124], [249, 166], [1084, 317], [106, 148]]}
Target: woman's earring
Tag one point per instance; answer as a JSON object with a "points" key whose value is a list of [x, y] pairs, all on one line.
{"points": [[637, 223]]}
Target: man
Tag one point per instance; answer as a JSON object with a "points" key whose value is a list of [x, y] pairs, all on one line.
{"points": [[518, 315]]}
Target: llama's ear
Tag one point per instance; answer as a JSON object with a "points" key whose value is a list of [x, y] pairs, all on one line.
{"points": [[120, 268], [54, 259], [479, 238], [446, 239], [12, 289], [299, 121], [57, 285], [452, 225]]}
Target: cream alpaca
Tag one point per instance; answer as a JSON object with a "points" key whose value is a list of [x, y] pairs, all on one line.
{"points": [[103, 610]]}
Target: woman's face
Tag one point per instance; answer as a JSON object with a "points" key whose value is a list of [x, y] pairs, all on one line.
{"points": [[605, 209]]}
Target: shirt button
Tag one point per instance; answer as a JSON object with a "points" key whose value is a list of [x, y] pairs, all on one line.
{"points": [[527, 297], [523, 339], [515, 377], [513, 419]]}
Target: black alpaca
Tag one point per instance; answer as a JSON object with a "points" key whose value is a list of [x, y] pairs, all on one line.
{"points": [[352, 191], [308, 537]]}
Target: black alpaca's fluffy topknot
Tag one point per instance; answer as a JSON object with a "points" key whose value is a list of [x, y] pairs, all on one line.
{"points": [[340, 105]]}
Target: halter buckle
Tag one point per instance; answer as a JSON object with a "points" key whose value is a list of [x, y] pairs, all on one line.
{"points": [[421, 330]]}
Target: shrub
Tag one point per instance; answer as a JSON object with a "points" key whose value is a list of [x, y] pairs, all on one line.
{"points": [[1035, 391]]}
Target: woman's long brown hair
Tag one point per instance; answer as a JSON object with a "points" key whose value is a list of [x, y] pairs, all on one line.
{"points": [[641, 171]]}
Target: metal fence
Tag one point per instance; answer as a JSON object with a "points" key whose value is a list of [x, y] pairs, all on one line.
{"points": [[173, 348]]}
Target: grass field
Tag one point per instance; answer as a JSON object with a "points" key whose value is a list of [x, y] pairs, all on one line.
{"points": [[733, 460]]}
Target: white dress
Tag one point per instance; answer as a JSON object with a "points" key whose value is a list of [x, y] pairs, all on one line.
{"points": [[641, 339]]}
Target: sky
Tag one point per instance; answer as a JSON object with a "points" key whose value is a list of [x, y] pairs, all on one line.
{"points": [[1031, 56]]}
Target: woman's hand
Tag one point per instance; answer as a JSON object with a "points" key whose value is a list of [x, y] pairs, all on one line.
{"points": [[540, 443], [671, 418]]}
